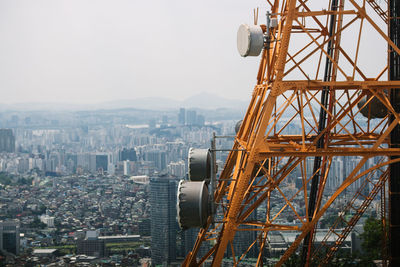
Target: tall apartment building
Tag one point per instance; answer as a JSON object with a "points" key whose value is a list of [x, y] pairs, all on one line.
{"points": [[191, 117], [127, 154], [182, 116], [7, 141], [163, 224], [159, 158], [243, 239], [102, 162]]}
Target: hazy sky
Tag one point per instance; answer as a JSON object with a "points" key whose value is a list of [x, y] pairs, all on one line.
{"points": [[89, 51]]}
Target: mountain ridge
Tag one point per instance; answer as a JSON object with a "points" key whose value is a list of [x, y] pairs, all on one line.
{"points": [[201, 100]]}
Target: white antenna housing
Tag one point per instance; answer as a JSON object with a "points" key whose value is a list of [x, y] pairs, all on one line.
{"points": [[250, 40]]}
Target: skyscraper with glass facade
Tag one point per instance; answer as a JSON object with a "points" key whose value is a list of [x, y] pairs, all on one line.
{"points": [[163, 225]]}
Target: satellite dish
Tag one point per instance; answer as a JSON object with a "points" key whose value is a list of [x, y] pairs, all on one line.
{"points": [[374, 109], [238, 125], [199, 164], [192, 204]]}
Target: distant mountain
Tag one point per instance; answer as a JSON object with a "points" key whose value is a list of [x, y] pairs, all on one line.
{"points": [[201, 101], [210, 101], [33, 106], [154, 103]]}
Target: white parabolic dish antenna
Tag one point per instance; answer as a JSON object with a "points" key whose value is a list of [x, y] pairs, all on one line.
{"points": [[250, 40]]}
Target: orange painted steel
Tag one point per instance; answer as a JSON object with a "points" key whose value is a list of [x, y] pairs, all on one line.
{"points": [[279, 135], [324, 253]]}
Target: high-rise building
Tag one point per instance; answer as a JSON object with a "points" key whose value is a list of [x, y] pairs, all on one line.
{"points": [[177, 169], [335, 177], [83, 160], [188, 238], [200, 120], [128, 154], [182, 116], [9, 236], [7, 141], [191, 117], [159, 158], [243, 239], [92, 163], [126, 167], [102, 162], [163, 224]]}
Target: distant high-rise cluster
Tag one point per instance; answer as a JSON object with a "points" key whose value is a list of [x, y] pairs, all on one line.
{"points": [[190, 118], [7, 141], [90, 172]]}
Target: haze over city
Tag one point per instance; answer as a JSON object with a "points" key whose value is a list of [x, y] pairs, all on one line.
{"points": [[97, 51]]}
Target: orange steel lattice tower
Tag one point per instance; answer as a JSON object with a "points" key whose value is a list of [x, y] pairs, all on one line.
{"points": [[324, 94]]}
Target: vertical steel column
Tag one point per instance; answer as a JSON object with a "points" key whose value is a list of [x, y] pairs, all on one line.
{"points": [[394, 182], [307, 243]]}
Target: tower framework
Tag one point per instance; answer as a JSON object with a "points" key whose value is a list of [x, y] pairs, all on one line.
{"points": [[326, 92]]}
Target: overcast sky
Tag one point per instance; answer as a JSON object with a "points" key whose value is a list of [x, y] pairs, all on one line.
{"points": [[90, 51]]}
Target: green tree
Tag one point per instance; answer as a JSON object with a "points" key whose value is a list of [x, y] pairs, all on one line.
{"points": [[372, 238], [293, 261], [37, 224], [5, 179]]}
